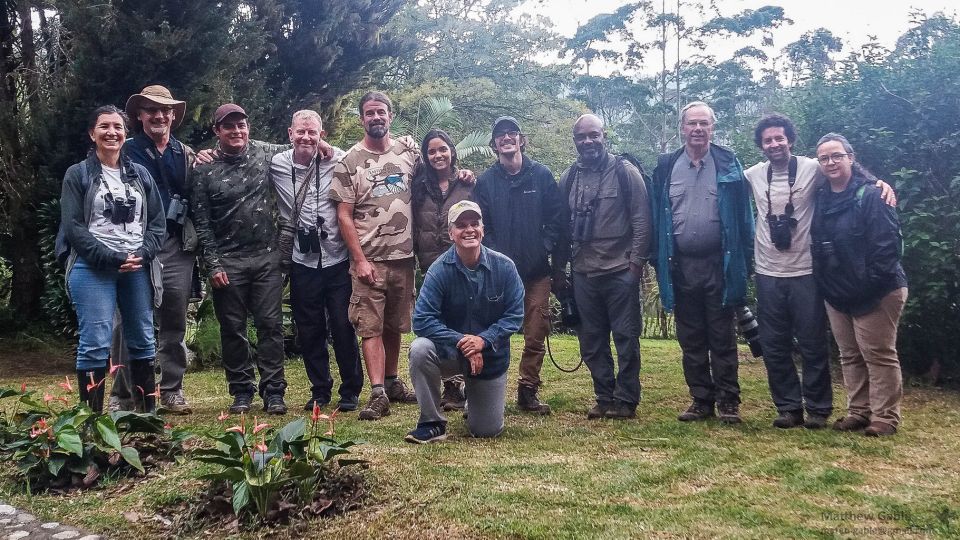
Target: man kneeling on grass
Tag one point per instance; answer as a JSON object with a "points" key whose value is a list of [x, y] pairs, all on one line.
{"points": [[470, 303]]}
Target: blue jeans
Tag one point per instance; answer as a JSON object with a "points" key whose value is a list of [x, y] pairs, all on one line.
{"points": [[96, 294]]}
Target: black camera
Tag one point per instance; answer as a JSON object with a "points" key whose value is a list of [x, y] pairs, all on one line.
{"points": [[309, 239], [781, 229], [583, 225], [829, 253], [177, 210], [569, 313], [750, 330], [120, 210]]}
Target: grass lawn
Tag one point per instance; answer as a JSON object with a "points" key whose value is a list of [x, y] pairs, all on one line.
{"points": [[563, 476]]}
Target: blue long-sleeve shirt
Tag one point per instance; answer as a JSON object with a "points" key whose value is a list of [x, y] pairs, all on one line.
{"points": [[485, 302]]}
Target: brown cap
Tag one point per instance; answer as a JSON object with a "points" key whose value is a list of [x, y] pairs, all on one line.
{"points": [[226, 110], [158, 95]]}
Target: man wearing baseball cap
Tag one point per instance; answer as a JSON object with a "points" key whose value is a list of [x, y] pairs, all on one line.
{"points": [[169, 162], [526, 221], [470, 303], [234, 211]]}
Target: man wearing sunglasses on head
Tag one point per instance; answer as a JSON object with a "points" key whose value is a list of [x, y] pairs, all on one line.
{"points": [[316, 258]]}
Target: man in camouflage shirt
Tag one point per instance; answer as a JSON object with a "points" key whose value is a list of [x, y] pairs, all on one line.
{"points": [[234, 212], [371, 185]]}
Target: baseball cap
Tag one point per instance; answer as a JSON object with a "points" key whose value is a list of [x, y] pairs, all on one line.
{"points": [[460, 208], [510, 123], [225, 110]]}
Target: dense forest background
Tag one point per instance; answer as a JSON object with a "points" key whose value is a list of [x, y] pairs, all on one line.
{"points": [[461, 63]]}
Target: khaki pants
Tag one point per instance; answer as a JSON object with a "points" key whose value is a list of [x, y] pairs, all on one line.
{"points": [[536, 325], [868, 356]]}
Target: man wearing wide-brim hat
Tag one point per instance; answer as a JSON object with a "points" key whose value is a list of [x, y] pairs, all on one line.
{"points": [[170, 162]]}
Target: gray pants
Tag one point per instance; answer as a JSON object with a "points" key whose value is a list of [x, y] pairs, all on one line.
{"points": [[485, 397], [610, 303], [787, 308], [171, 317], [256, 288]]}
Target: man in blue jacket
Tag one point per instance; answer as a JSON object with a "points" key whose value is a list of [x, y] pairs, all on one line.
{"points": [[526, 220], [703, 249], [470, 303]]}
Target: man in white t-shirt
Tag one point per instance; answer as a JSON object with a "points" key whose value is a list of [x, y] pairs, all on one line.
{"points": [[789, 304]]}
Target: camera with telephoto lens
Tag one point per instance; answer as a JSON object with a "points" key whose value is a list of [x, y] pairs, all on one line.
{"points": [[583, 225], [309, 239], [781, 228], [177, 210], [120, 210], [750, 330]]}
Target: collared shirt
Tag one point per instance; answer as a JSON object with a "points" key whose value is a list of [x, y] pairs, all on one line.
{"points": [[316, 204], [693, 199], [621, 229], [172, 179], [486, 302]]}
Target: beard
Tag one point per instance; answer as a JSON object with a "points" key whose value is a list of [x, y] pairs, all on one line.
{"points": [[591, 153], [377, 131], [153, 129]]}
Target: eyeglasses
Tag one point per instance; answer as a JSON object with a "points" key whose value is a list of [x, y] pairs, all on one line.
{"points": [[153, 110], [501, 134], [836, 158]]}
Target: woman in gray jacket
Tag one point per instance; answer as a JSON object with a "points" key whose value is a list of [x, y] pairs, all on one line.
{"points": [[113, 224]]}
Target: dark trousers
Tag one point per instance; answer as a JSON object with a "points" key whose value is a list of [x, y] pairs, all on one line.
{"points": [[705, 329], [255, 288], [320, 297], [610, 304], [788, 308]]}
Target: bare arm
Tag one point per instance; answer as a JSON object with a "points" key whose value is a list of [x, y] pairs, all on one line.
{"points": [[348, 229]]}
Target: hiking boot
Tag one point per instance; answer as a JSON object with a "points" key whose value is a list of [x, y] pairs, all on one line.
{"points": [[320, 402], [241, 403], [348, 404], [850, 423], [273, 404], [879, 429], [816, 421], [377, 407], [116, 404], [90, 385], [528, 401], [729, 413], [174, 402], [427, 432], [698, 410], [622, 411], [452, 398], [788, 419], [598, 411], [397, 392]]}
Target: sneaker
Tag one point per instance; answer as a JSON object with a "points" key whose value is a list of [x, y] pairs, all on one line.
{"points": [[598, 411], [427, 432], [377, 407], [528, 401], [273, 404], [308, 406], [452, 398], [348, 404], [816, 421], [788, 419], [850, 423], [397, 392], [729, 413], [241, 403], [622, 411], [174, 402], [698, 410], [879, 429]]}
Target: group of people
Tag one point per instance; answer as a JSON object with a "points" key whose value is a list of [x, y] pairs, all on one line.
{"points": [[350, 227]]}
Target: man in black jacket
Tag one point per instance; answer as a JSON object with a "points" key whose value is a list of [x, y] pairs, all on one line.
{"points": [[524, 217]]}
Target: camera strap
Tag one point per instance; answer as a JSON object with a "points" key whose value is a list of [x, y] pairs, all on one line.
{"points": [[300, 197], [791, 180]]}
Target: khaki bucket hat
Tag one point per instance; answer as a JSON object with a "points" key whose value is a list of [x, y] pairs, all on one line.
{"points": [[159, 95]]}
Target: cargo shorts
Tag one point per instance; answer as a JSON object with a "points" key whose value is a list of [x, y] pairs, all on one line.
{"points": [[385, 305]]}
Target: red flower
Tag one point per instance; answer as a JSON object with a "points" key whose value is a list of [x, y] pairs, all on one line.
{"points": [[237, 429], [93, 384], [257, 428], [223, 416], [65, 384], [23, 387], [114, 367]]}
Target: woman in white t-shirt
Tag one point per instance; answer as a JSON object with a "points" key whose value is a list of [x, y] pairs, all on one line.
{"points": [[113, 224]]}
